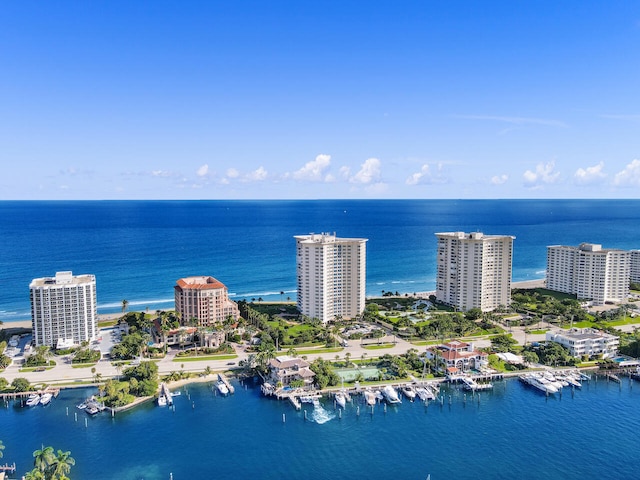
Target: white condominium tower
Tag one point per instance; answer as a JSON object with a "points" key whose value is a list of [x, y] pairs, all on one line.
{"points": [[589, 272], [64, 309], [474, 270], [331, 275], [635, 266], [204, 299]]}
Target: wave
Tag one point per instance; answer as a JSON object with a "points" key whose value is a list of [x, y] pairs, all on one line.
{"points": [[320, 415], [134, 303], [262, 294]]}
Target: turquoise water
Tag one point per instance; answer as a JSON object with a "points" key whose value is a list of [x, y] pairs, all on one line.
{"points": [[512, 432], [138, 249]]}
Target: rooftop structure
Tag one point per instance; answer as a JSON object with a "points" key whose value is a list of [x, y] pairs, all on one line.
{"points": [[331, 276], [457, 357], [285, 369], [204, 300], [589, 272], [474, 270], [64, 309], [586, 341]]}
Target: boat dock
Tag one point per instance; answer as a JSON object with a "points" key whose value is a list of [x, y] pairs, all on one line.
{"points": [[20, 395], [8, 468], [166, 393], [223, 378]]}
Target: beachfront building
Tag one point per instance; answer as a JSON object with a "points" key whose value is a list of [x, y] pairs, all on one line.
{"points": [[634, 271], [586, 341], [204, 301], [64, 310], [285, 369], [589, 272], [331, 276], [456, 357], [474, 270]]}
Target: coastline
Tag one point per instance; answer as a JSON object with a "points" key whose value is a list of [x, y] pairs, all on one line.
{"points": [[109, 317]]}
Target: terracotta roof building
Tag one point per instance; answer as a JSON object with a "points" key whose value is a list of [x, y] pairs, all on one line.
{"points": [[205, 299]]}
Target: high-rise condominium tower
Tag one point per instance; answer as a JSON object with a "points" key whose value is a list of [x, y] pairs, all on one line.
{"points": [[589, 271], [64, 309], [474, 270], [204, 299], [331, 274]]}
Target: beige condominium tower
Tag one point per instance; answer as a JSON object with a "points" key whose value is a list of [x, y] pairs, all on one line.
{"points": [[474, 270], [64, 310], [205, 300], [331, 276]]}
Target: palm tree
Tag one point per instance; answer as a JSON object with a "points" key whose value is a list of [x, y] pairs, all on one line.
{"points": [[1, 448], [43, 458], [125, 304], [34, 474], [62, 464]]}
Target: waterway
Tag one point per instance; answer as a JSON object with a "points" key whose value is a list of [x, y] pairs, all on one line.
{"points": [[510, 432]]}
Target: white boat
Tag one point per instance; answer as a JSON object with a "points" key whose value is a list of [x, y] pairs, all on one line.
{"points": [[539, 382], [341, 400], [369, 397], [425, 394], [222, 388], [162, 401], [33, 400], [409, 392], [45, 399], [390, 394]]}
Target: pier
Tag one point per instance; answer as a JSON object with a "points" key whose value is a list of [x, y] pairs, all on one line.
{"points": [[20, 395], [223, 378]]}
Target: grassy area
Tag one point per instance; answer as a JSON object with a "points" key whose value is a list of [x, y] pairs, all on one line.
{"points": [[83, 365], [537, 332], [318, 350], [201, 358], [378, 346]]}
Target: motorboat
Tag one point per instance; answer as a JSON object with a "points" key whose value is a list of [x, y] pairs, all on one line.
{"points": [[162, 400], [369, 397], [222, 388], [425, 394], [409, 392], [539, 382], [341, 400], [390, 394], [45, 399], [33, 400]]}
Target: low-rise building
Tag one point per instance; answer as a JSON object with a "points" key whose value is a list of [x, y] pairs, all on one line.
{"points": [[586, 341], [456, 357], [285, 369]]}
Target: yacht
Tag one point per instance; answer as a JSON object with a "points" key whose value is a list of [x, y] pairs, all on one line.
{"points": [[369, 397], [390, 394], [162, 400], [46, 398], [33, 400], [539, 382], [341, 400]]}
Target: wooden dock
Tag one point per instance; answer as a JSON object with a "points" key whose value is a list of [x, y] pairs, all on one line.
{"points": [[223, 378], [15, 395]]}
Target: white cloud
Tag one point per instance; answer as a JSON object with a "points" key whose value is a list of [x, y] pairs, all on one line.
{"points": [[499, 179], [589, 175], [257, 175], [314, 170], [203, 171], [345, 172], [161, 173], [630, 176], [543, 175], [425, 176], [232, 173], [369, 172]]}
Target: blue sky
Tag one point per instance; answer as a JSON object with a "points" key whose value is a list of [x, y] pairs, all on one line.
{"points": [[319, 99]]}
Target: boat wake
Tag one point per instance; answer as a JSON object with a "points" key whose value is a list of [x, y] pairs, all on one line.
{"points": [[320, 415]]}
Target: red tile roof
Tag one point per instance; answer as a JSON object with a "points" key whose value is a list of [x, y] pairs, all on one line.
{"points": [[199, 283]]}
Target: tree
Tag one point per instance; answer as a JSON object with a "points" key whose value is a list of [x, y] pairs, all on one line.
{"points": [[125, 304], [502, 343], [62, 464], [43, 459], [21, 384], [1, 448]]}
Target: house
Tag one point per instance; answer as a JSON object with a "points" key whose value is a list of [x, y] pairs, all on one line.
{"points": [[457, 357], [285, 369], [586, 341]]}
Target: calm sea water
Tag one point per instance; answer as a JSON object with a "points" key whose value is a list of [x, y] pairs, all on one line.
{"points": [[138, 249], [512, 432]]}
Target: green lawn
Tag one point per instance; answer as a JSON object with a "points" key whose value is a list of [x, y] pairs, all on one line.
{"points": [[378, 346], [318, 350], [201, 358], [82, 365]]}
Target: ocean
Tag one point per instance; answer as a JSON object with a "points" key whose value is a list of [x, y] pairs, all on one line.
{"points": [[138, 249], [512, 432]]}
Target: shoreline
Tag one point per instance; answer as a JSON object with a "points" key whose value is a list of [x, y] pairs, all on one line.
{"points": [[109, 317]]}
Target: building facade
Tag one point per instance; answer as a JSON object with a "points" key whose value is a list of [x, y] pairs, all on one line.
{"points": [[456, 357], [64, 309], [634, 273], [204, 299], [474, 270], [586, 341], [589, 272], [331, 276]]}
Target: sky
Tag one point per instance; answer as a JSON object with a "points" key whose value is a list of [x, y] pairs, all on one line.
{"points": [[319, 99]]}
